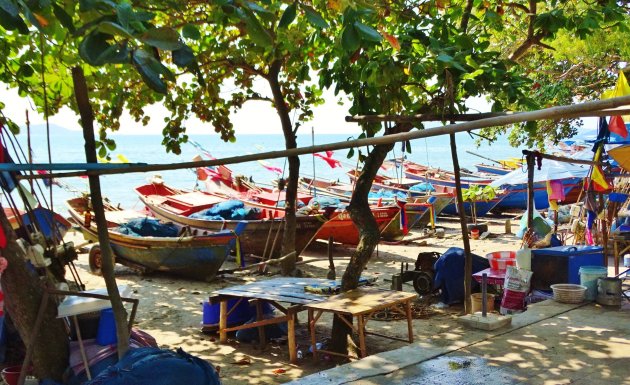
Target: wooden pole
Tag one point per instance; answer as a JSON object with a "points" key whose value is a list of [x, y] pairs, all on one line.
{"points": [[459, 117], [562, 158], [107, 260], [464, 227], [530, 190], [570, 111]]}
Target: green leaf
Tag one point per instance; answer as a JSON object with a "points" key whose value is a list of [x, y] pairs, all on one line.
{"points": [[255, 29], [11, 23], [350, 153], [8, 7], [25, 71], [102, 151], [64, 18], [288, 16], [314, 17], [183, 57], [164, 38], [190, 31], [350, 40], [146, 65], [91, 48], [124, 14], [114, 29], [255, 7], [367, 33]]}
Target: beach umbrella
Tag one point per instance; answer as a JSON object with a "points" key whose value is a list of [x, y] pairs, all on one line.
{"points": [[621, 155], [550, 170]]}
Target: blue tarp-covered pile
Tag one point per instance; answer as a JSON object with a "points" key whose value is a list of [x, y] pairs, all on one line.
{"points": [[148, 227], [449, 274], [228, 210], [323, 201], [153, 366]]}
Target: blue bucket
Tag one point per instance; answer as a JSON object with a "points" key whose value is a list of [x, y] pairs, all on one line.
{"points": [[589, 276], [106, 334]]}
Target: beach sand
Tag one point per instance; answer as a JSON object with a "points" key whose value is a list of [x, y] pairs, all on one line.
{"points": [[171, 308]]}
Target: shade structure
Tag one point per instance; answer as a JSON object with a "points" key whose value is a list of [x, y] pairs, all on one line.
{"points": [[550, 170], [621, 155]]}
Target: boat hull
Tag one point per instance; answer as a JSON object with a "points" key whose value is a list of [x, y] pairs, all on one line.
{"points": [[259, 237], [341, 228], [195, 257]]}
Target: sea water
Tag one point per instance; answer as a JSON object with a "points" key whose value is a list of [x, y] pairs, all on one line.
{"points": [[67, 146]]}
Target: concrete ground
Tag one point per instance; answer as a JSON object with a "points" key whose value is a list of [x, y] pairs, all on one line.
{"points": [[550, 343]]}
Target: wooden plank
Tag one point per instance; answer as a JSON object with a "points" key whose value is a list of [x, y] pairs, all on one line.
{"points": [[223, 310], [272, 297], [293, 358], [279, 289], [267, 321], [362, 300]]}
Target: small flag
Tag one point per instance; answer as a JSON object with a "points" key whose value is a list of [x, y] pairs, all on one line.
{"points": [[271, 168], [333, 163], [618, 126]]}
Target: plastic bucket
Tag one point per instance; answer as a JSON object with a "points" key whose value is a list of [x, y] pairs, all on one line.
{"points": [[11, 374], [475, 299], [588, 278], [106, 334]]}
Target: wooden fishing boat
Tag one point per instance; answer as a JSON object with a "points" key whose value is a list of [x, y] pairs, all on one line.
{"points": [[52, 225], [261, 236], [191, 256], [341, 228], [493, 169]]}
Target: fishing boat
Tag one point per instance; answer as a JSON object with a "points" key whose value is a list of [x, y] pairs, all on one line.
{"points": [[342, 229], [52, 225], [493, 169], [263, 227], [145, 243]]}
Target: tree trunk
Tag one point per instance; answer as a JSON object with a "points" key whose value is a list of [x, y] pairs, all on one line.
{"points": [[23, 292], [369, 236], [288, 240], [107, 259]]}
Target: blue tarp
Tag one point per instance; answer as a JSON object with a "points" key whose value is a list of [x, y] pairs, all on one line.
{"points": [[153, 366], [422, 187], [228, 210], [383, 193], [325, 201], [148, 227], [449, 274]]}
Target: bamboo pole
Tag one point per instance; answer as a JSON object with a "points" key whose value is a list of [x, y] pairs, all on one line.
{"points": [[87, 121], [569, 111], [530, 190], [562, 158], [459, 117], [464, 226]]}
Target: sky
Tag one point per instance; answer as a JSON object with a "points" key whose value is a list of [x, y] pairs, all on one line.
{"points": [[329, 118]]}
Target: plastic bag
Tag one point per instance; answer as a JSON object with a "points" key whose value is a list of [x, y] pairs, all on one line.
{"points": [[515, 289]]}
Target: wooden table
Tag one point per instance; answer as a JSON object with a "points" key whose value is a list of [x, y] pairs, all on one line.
{"points": [[619, 240], [273, 291], [361, 303]]}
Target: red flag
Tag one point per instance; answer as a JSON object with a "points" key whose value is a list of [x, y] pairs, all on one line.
{"points": [[333, 163], [618, 126]]}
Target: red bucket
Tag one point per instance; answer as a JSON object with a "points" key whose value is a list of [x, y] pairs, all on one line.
{"points": [[11, 374]]}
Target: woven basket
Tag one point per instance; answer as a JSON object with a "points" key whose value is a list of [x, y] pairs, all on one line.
{"points": [[568, 293]]}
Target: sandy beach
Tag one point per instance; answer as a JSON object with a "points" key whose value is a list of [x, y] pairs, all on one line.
{"points": [[171, 308]]}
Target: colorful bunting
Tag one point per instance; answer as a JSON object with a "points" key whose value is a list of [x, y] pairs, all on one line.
{"points": [[271, 168]]}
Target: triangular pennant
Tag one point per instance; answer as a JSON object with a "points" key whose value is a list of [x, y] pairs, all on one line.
{"points": [[599, 181], [618, 126]]}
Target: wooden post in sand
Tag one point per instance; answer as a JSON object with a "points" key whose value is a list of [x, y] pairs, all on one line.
{"points": [[530, 189], [464, 226]]}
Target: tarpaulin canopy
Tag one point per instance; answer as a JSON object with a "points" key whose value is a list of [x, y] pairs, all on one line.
{"points": [[550, 170]]}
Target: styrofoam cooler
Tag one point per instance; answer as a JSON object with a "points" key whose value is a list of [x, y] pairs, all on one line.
{"points": [[500, 260]]}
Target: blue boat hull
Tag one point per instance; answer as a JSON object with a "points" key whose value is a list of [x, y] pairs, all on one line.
{"points": [[492, 169], [517, 195]]}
